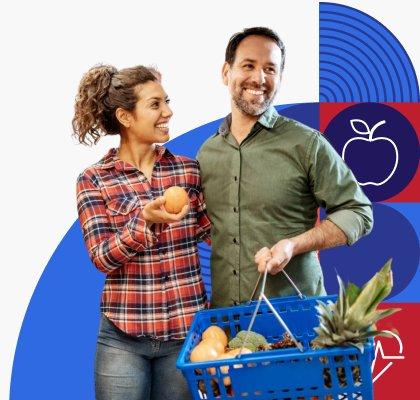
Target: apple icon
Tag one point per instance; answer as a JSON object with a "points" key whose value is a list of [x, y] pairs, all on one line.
{"points": [[368, 148]]}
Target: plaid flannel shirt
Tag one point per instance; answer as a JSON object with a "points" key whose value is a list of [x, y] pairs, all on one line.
{"points": [[153, 285]]}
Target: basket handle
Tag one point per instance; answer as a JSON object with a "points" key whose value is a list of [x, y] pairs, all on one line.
{"points": [[299, 293], [261, 297]]}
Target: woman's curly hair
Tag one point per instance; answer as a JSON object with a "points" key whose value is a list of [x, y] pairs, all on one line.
{"points": [[102, 90]]}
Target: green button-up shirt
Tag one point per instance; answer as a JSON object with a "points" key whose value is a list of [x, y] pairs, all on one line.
{"points": [[269, 188]]}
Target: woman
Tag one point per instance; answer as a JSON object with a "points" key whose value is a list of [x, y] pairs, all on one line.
{"points": [[153, 283]]}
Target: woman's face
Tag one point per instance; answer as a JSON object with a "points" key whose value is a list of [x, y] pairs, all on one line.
{"points": [[150, 118]]}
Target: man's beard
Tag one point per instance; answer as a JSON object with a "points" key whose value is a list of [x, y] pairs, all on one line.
{"points": [[250, 108]]}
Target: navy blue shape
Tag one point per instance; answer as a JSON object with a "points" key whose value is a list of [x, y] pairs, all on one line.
{"points": [[361, 60], [392, 236], [306, 113], [372, 159], [411, 294]]}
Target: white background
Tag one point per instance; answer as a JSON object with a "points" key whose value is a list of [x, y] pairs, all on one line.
{"points": [[46, 46]]}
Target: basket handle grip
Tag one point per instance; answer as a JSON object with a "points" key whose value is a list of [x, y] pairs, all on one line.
{"points": [[261, 297], [298, 292]]}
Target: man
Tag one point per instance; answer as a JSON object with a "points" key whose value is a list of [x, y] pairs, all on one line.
{"points": [[264, 177]]}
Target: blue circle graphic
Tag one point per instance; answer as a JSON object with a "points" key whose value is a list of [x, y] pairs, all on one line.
{"points": [[392, 236]]}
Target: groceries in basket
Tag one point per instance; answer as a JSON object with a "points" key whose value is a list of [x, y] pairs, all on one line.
{"points": [[328, 355]]}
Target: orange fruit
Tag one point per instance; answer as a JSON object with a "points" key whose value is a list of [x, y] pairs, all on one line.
{"points": [[175, 198]]}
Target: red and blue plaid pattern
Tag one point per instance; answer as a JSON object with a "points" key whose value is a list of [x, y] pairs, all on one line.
{"points": [[153, 285]]}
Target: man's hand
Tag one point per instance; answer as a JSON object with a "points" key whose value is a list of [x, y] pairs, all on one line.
{"points": [[262, 256], [276, 258], [154, 212]]}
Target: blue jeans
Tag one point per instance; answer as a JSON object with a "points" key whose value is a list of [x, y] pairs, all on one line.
{"points": [[129, 368]]}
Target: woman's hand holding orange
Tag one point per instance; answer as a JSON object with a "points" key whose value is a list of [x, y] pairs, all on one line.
{"points": [[154, 212]]}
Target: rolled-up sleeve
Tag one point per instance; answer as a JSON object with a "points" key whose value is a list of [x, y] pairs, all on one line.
{"points": [[337, 191]]}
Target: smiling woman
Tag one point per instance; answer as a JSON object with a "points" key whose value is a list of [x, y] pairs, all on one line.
{"points": [[153, 281]]}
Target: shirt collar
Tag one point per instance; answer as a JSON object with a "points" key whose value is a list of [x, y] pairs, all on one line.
{"points": [[111, 159], [267, 120]]}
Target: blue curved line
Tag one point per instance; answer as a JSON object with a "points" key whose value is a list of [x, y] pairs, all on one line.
{"points": [[379, 46], [367, 57], [324, 99], [338, 66], [346, 76], [334, 83], [326, 5], [352, 96], [373, 51], [362, 51], [334, 98], [412, 70], [331, 98], [359, 61], [396, 70], [327, 98], [344, 99], [327, 76], [353, 75]]}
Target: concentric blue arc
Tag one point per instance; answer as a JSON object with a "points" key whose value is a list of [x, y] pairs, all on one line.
{"points": [[204, 252], [360, 60]]}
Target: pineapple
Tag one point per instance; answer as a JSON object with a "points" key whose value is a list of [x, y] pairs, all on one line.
{"points": [[351, 319]]}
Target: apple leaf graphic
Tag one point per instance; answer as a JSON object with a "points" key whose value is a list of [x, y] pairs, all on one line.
{"points": [[362, 124]]}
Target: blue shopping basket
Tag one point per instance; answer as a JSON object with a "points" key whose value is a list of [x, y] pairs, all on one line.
{"points": [[338, 373]]}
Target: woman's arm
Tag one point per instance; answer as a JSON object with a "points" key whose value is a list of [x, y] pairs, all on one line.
{"points": [[110, 250]]}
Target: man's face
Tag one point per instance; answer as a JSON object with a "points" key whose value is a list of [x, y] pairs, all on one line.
{"points": [[254, 76]]}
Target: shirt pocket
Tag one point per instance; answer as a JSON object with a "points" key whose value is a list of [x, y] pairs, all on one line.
{"points": [[122, 209]]}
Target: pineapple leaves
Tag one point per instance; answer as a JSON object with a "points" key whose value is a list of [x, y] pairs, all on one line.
{"points": [[379, 314], [352, 318], [343, 303], [352, 292]]}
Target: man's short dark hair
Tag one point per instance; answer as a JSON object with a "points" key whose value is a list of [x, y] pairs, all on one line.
{"points": [[258, 31]]}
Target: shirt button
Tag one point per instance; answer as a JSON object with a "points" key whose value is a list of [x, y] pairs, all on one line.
{"points": [[235, 303], [166, 278], [235, 241], [236, 178], [235, 209], [235, 272]]}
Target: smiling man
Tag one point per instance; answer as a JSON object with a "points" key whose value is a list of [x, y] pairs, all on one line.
{"points": [[265, 176]]}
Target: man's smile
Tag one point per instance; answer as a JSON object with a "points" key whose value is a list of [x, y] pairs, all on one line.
{"points": [[255, 92]]}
